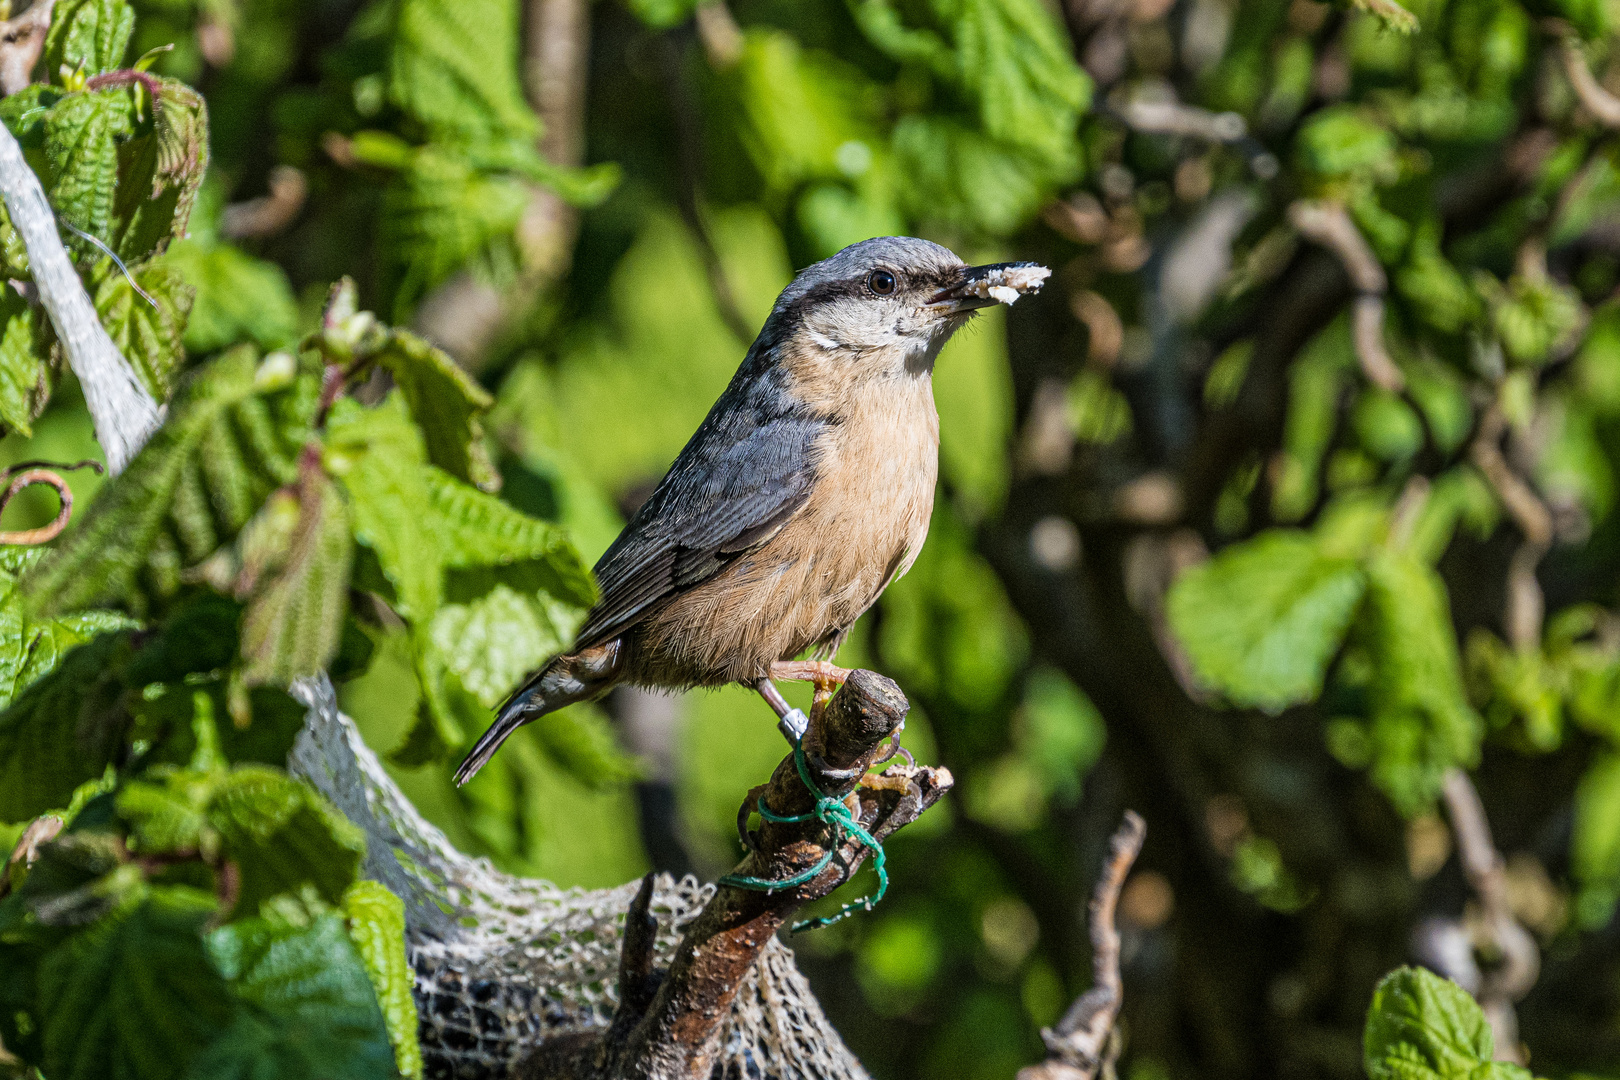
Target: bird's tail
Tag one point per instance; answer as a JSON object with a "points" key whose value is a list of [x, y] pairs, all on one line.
{"points": [[572, 677]]}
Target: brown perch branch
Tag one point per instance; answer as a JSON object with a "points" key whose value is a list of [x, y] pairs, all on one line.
{"points": [[1525, 604], [1083, 1044], [668, 1023], [1519, 963]]}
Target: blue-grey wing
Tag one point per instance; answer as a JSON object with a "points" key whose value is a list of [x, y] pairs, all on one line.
{"points": [[746, 471]]}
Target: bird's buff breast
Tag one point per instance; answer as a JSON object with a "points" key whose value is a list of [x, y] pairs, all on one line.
{"points": [[862, 526]]}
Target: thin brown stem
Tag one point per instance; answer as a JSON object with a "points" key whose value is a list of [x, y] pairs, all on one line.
{"points": [[1525, 603], [45, 533], [1329, 224], [1083, 1044], [1519, 958], [22, 39]]}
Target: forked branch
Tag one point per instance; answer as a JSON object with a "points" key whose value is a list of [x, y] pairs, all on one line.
{"points": [[668, 1023], [1083, 1044]]}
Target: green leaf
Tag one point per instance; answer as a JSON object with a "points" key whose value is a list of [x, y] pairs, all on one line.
{"points": [[497, 639], [62, 731], [282, 834], [479, 530], [377, 928], [1339, 140], [454, 68], [146, 328], [1421, 1026], [88, 34], [239, 298], [294, 618], [24, 362], [309, 1010], [1535, 318], [663, 14], [1261, 620], [82, 134], [439, 213], [161, 172], [1422, 724], [233, 435], [1595, 846], [446, 403], [133, 996], [377, 455]]}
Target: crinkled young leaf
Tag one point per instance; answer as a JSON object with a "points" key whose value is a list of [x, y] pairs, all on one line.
{"points": [[454, 68], [377, 455], [1015, 55], [233, 435], [147, 329], [281, 834], [24, 362], [82, 134], [446, 403], [494, 641], [294, 619], [87, 34], [1422, 723], [1423, 1027], [135, 995], [377, 928], [958, 176], [479, 530], [308, 1007], [162, 171], [439, 212], [1261, 620]]}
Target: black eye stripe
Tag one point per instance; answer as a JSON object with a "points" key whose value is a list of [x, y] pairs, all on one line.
{"points": [[881, 282]]}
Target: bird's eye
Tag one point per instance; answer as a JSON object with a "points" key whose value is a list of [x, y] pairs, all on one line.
{"points": [[880, 282]]}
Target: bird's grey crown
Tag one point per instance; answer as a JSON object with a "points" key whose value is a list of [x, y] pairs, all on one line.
{"points": [[907, 254]]}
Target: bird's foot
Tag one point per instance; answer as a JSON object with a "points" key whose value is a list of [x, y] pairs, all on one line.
{"points": [[825, 677]]}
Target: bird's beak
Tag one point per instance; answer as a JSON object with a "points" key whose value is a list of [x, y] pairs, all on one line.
{"points": [[985, 286]]}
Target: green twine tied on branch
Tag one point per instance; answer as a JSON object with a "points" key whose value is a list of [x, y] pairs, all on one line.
{"points": [[829, 811]]}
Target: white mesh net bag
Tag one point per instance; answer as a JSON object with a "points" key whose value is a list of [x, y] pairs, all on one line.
{"points": [[504, 963]]}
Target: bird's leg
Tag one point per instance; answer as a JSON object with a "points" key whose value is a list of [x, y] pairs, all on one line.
{"points": [[791, 722], [825, 677]]}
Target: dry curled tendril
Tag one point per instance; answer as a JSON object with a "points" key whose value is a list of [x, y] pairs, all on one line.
{"points": [[28, 473]]}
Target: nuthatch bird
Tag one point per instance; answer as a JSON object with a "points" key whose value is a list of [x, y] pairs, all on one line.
{"points": [[805, 492]]}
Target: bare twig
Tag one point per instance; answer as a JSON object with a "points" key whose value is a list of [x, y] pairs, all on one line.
{"points": [[268, 214], [1520, 960], [1329, 224], [1604, 106], [123, 413], [1083, 1045], [669, 1027], [717, 29], [1525, 603], [44, 533], [40, 831], [1171, 117], [22, 39]]}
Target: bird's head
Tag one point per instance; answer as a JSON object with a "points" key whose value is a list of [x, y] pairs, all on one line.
{"points": [[892, 301]]}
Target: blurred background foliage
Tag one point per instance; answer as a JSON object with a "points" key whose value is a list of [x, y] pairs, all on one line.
{"points": [[1294, 489]]}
